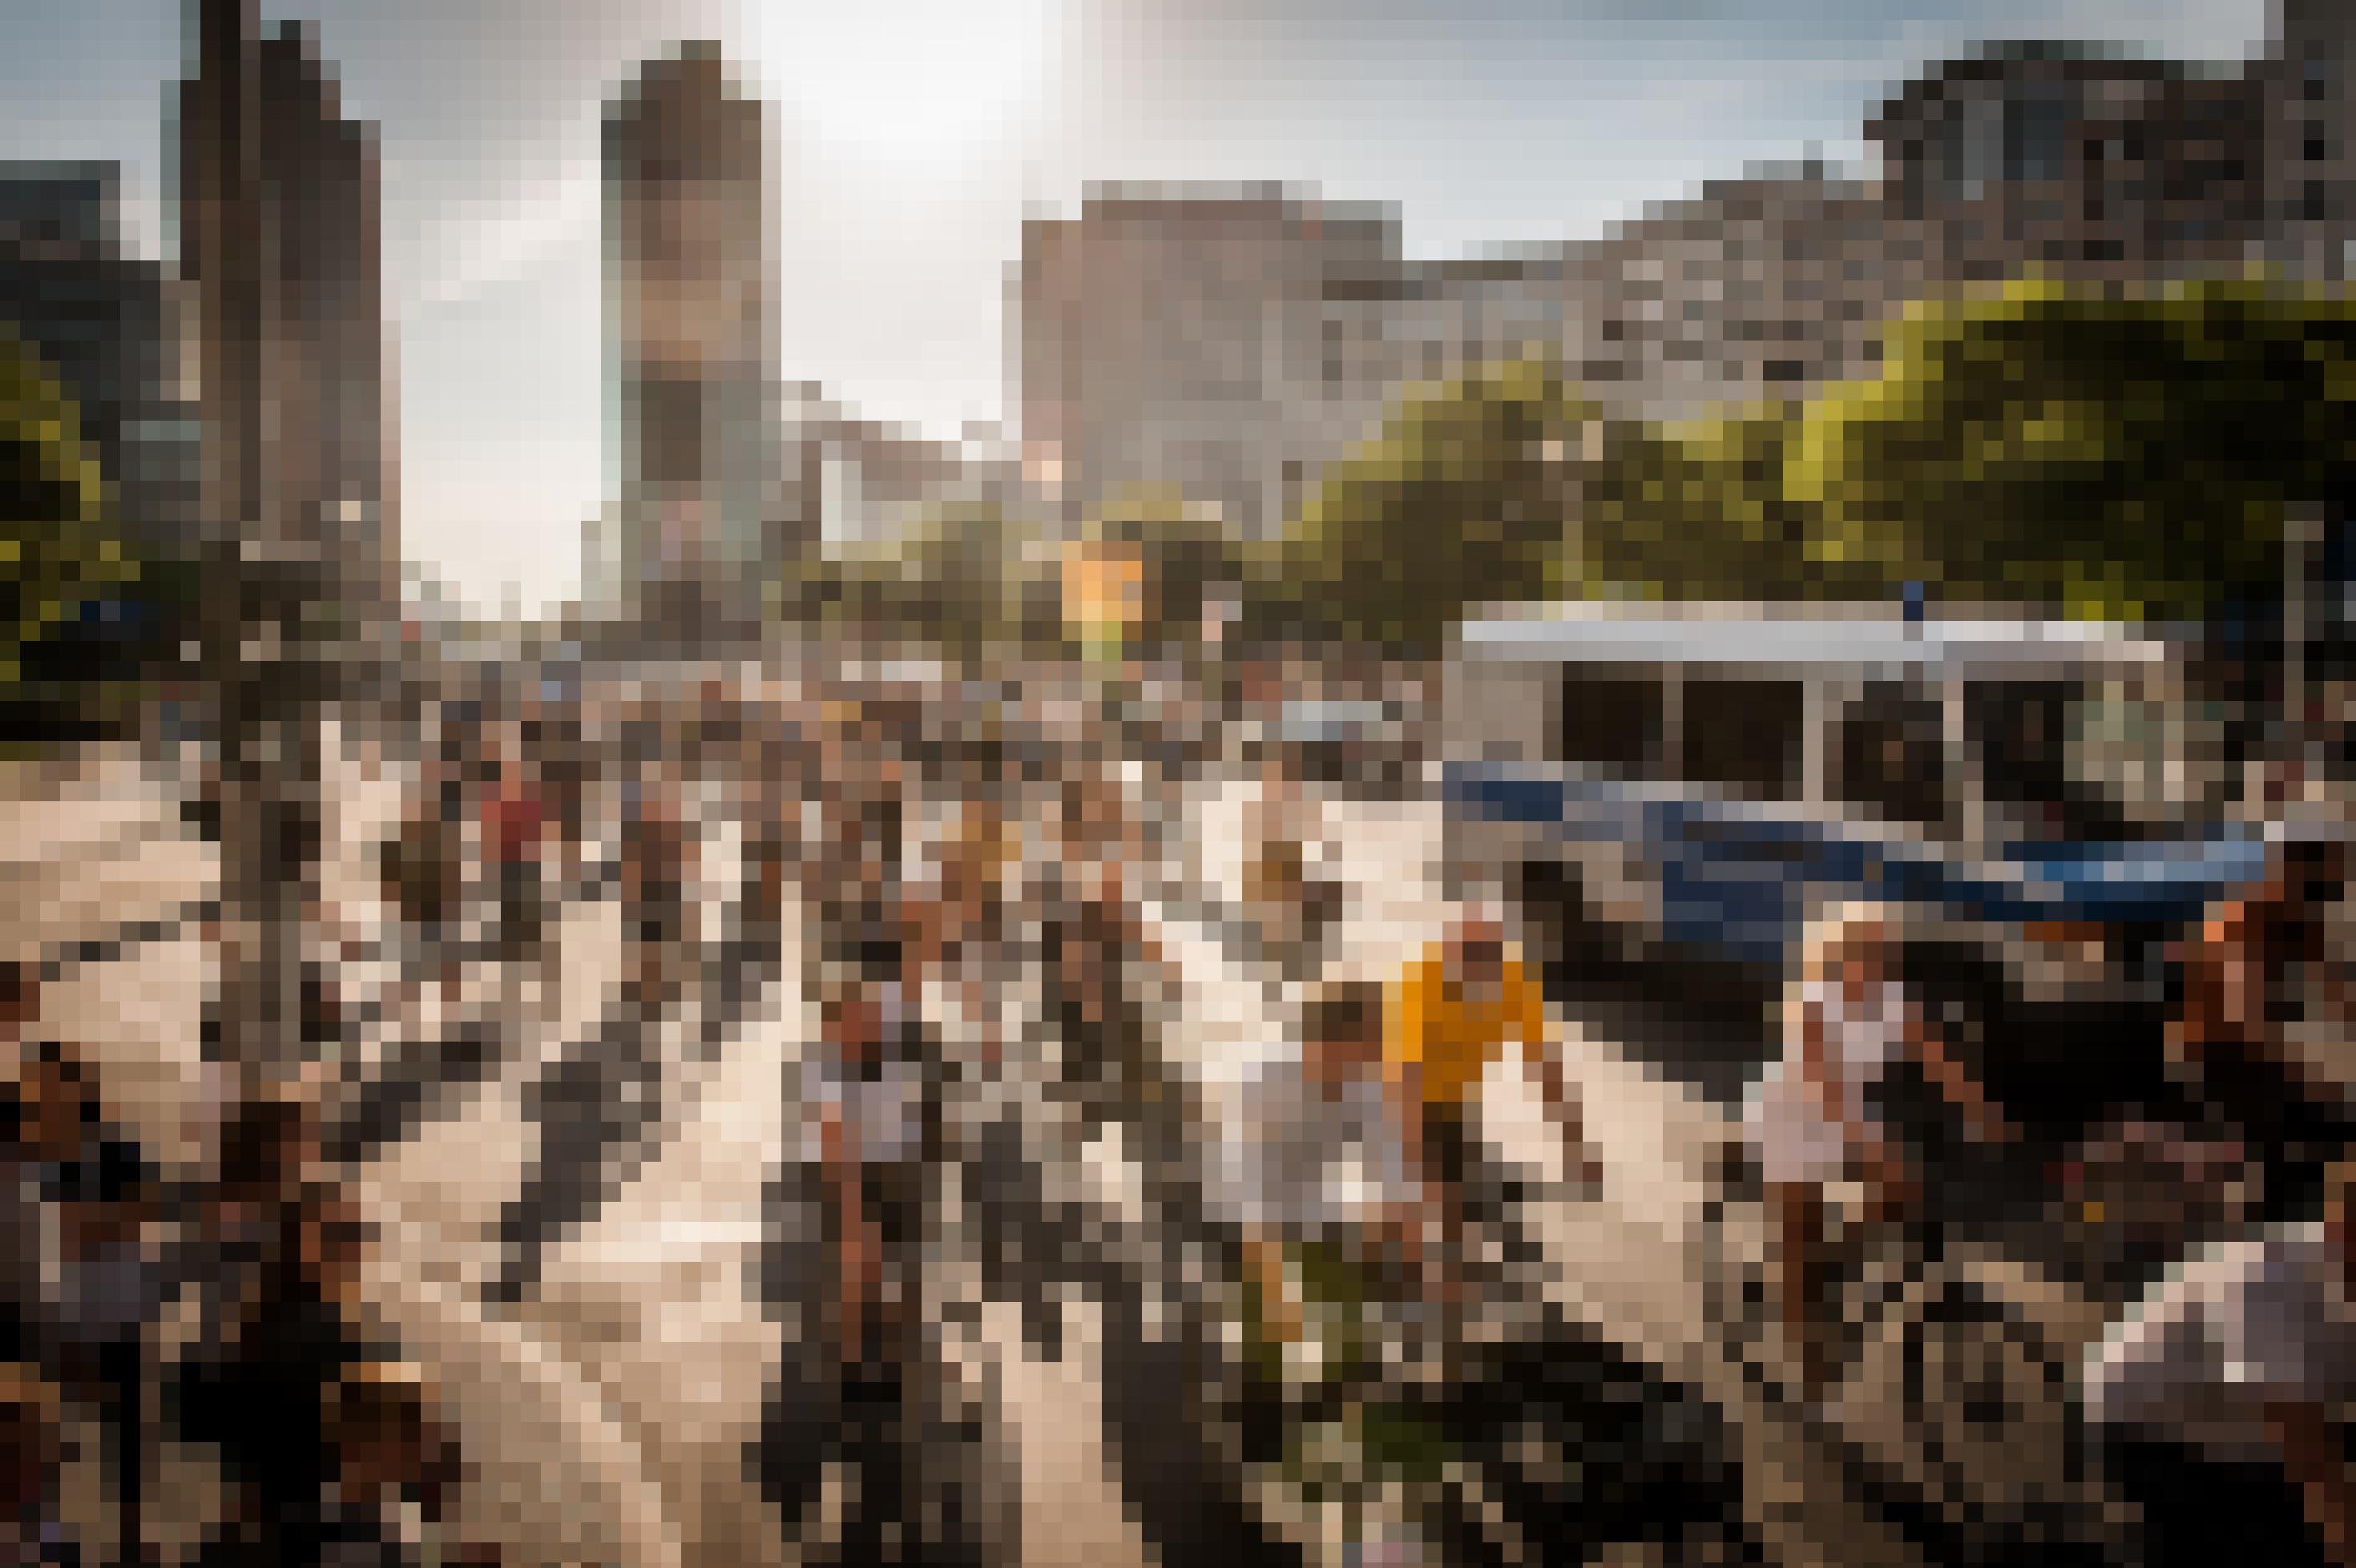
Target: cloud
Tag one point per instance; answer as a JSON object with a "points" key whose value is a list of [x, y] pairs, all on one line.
{"points": [[483, 244]]}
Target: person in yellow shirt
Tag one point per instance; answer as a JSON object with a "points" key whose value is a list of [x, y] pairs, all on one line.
{"points": [[1452, 1012]]}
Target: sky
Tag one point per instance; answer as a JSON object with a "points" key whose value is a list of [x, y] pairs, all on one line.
{"points": [[913, 136]]}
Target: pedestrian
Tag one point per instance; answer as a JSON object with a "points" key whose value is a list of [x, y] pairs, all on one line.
{"points": [[418, 868], [256, 1388], [864, 1089], [32, 1531], [565, 781], [1095, 958], [2234, 1033], [86, 1203], [1287, 908], [864, 1094], [654, 892], [1814, 1117], [514, 837], [763, 804], [2247, 1352]]}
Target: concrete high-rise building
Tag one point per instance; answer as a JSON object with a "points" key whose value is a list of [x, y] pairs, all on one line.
{"points": [[1181, 338], [280, 247], [280, 252], [2081, 162], [2310, 132], [691, 290], [1233, 344]]}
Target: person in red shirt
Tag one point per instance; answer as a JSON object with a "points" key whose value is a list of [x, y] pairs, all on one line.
{"points": [[515, 827]]}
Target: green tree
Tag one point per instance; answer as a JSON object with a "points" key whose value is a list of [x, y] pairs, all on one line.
{"points": [[1187, 552], [969, 578], [1461, 500], [2125, 453], [62, 566], [1700, 511], [964, 578]]}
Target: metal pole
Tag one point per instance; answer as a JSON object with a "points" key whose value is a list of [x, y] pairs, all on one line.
{"points": [[2301, 532], [1817, 707], [1971, 799], [1670, 764]]}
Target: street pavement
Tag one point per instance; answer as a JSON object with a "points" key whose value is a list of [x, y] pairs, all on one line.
{"points": [[606, 1416]]}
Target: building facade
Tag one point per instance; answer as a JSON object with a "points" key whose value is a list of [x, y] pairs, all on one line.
{"points": [[1230, 344], [1180, 339], [853, 483], [691, 294], [281, 253]]}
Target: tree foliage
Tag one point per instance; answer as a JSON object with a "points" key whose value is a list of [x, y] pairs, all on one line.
{"points": [[1186, 554], [2131, 453], [1461, 499], [66, 578], [2128, 453], [963, 579], [1699, 510]]}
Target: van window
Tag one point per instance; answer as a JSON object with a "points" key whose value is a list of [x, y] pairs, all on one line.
{"points": [[1743, 736], [1611, 721]]}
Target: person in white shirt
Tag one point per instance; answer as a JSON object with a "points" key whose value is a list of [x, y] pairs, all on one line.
{"points": [[1810, 1120], [1312, 1151], [2249, 1351], [865, 1103]]}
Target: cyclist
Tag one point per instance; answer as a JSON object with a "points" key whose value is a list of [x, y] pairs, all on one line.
{"points": [[1449, 1015], [2231, 1032], [514, 835], [1289, 1148], [1813, 1118], [2249, 1348]]}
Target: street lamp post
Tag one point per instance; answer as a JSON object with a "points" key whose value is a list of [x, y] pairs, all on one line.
{"points": [[271, 664], [2301, 533]]}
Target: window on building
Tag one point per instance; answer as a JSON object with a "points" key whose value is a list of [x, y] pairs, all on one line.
{"points": [[1974, 153], [2314, 150], [2036, 138]]}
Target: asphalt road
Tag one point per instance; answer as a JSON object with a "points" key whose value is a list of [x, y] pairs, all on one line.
{"points": [[607, 1414]]}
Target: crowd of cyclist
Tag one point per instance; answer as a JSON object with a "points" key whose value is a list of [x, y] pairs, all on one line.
{"points": [[964, 890]]}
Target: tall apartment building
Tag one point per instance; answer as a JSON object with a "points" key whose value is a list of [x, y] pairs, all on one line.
{"points": [[1230, 346], [1179, 338], [2079, 163], [691, 295], [1234, 344], [281, 249], [108, 326], [1755, 290], [2310, 130]]}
